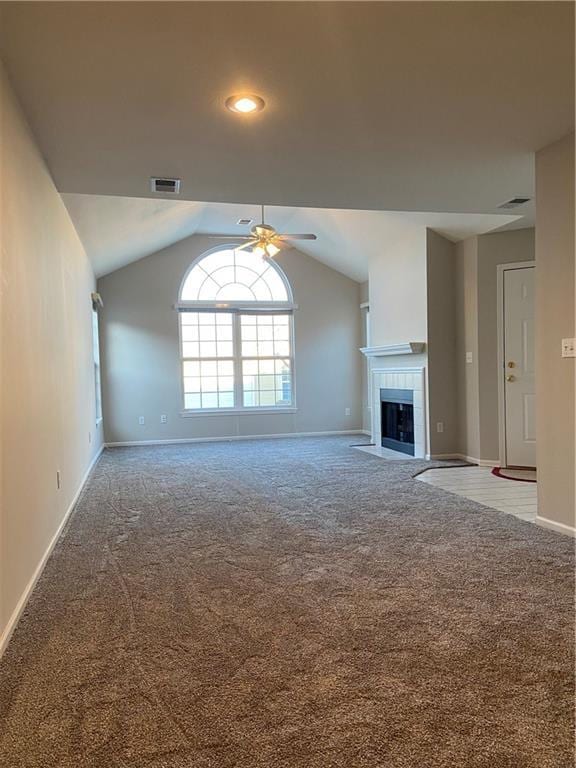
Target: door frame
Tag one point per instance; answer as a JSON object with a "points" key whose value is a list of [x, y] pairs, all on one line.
{"points": [[500, 270]]}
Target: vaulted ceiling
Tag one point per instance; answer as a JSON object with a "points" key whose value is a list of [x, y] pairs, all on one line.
{"points": [[118, 230]]}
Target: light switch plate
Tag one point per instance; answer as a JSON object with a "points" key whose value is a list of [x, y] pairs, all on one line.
{"points": [[468, 357], [568, 347]]}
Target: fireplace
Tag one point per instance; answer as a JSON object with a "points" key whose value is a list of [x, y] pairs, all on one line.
{"points": [[397, 419]]}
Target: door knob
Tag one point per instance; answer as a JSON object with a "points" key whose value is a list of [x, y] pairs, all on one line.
{"points": [[510, 378]]}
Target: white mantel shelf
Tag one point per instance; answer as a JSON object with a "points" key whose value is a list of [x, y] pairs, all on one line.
{"points": [[408, 348]]}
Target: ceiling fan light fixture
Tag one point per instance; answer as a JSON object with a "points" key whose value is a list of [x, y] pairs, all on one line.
{"points": [[272, 250], [245, 103], [259, 250]]}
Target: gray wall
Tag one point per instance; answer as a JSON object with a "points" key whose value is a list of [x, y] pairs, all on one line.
{"points": [[47, 379], [141, 361], [477, 333], [467, 347], [442, 379], [494, 249], [555, 274]]}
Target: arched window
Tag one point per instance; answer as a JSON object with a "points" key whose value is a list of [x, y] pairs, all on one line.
{"points": [[236, 334]]}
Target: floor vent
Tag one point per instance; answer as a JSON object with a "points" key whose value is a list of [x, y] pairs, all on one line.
{"points": [[514, 203], [165, 186]]}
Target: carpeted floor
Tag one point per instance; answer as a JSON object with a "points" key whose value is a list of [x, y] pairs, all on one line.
{"points": [[290, 604]]}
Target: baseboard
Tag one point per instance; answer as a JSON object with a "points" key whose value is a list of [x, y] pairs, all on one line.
{"points": [[463, 457], [230, 438], [17, 612], [567, 530]]}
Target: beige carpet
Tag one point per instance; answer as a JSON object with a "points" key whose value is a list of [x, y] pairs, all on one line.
{"points": [[290, 604]]}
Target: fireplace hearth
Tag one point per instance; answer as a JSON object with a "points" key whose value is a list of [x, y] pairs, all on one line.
{"points": [[397, 419]]}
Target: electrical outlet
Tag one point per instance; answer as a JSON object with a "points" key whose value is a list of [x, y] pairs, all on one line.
{"points": [[163, 419], [439, 426], [347, 412], [141, 420], [58, 479], [568, 347]]}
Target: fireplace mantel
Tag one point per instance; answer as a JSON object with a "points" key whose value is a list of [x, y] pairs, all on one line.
{"points": [[407, 348]]}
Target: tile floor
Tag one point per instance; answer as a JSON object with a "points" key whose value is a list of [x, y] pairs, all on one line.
{"points": [[479, 484]]}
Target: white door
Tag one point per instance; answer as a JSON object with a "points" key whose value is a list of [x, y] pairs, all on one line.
{"points": [[519, 384]]}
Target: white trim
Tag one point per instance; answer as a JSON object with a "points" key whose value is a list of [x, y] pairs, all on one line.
{"points": [[408, 348], [463, 457], [194, 414], [500, 269], [278, 307], [419, 387], [21, 604], [230, 438], [544, 522]]}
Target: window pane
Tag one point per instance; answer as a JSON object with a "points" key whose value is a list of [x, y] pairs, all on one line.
{"points": [[225, 349], [208, 290], [191, 401], [265, 348], [225, 368], [250, 399], [207, 349], [207, 332], [189, 333], [225, 383], [224, 275], [209, 400], [281, 348], [192, 384], [235, 292], [267, 398], [191, 368], [250, 348], [193, 282], [190, 349], [226, 400]]}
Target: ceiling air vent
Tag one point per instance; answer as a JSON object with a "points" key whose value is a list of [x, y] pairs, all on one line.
{"points": [[165, 186], [514, 203], [244, 222]]}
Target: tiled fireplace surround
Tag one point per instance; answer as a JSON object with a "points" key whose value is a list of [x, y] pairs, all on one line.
{"points": [[412, 378]]}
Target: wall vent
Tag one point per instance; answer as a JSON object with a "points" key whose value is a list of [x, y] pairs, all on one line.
{"points": [[244, 222], [165, 186], [514, 203]]}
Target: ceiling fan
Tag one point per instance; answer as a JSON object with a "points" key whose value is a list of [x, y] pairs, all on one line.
{"points": [[263, 239]]}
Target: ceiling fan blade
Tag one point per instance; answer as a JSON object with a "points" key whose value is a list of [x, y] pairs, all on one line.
{"points": [[297, 237], [231, 237], [249, 244]]}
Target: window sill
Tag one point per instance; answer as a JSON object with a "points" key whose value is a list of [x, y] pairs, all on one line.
{"points": [[194, 414]]}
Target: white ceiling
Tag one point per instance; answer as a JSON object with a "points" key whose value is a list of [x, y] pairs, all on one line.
{"points": [[376, 106], [116, 231]]}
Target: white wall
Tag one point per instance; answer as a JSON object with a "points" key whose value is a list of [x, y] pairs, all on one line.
{"points": [[46, 374], [141, 358], [555, 308]]}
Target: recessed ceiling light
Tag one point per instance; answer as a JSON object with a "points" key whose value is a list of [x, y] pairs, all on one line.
{"points": [[245, 103]]}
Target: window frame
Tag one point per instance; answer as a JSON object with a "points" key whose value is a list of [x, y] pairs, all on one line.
{"points": [[97, 367], [237, 309]]}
